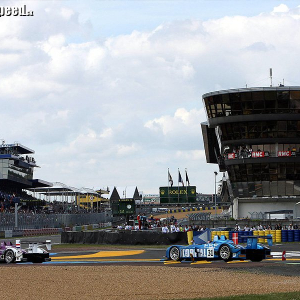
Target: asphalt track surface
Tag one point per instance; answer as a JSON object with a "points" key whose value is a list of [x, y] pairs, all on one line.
{"points": [[156, 257]]}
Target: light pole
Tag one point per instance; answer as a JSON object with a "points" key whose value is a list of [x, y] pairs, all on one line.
{"points": [[216, 192]]}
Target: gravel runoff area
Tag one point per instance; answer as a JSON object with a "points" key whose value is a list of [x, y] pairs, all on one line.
{"points": [[135, 282]]}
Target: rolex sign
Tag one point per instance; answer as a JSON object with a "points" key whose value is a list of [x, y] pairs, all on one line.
{"points": [[177, 194]]}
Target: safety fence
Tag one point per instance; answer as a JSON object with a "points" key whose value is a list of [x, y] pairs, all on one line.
{"points": [[40, 221], [278, 236]]}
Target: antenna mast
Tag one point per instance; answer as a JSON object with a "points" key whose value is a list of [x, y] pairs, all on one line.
{"points": [[271, 76]]}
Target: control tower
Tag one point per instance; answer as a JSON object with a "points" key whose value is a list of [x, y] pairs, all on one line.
{"points": [[253, 134]]}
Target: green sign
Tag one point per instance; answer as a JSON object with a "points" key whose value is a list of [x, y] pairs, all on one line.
{"points": [[123, 207], [175, 194]]}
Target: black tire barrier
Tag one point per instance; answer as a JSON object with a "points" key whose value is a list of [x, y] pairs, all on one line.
{"points": [[124, 237]]}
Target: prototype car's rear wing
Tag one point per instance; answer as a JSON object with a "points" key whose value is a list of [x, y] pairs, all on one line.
{"points": [[252, 240], [33, 245]]}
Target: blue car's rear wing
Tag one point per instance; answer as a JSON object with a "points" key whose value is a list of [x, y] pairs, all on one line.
{"points": [[252, 240]]}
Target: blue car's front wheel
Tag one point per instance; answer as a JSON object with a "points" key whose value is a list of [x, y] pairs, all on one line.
{"points": [[174, 253], [225, 253]]}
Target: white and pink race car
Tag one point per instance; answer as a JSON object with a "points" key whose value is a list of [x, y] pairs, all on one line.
{"points": [[35, 252]]}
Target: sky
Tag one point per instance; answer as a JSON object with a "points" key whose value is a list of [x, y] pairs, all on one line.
{"points": [[109, 93]]}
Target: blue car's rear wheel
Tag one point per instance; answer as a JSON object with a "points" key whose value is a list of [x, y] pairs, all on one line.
{"points": [[225, 253], [174, 253]]}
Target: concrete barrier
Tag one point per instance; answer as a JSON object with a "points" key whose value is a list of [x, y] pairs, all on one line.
{"points": [[124, 237]]}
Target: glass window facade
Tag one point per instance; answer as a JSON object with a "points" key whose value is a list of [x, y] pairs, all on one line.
{"points": [[10, 171], [256, 102], [265, 179], [259, 130]]}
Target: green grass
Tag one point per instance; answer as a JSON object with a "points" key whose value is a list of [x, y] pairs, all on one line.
{"points": [[273, 296]]}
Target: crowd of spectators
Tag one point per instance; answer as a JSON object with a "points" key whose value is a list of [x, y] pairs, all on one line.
{"points": [[260, 227], [165, 225], [27, 204]]}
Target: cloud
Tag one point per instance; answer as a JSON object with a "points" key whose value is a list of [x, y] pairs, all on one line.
{"points": [[183, 122], [282, 8], [122, 109], [260, 46]]}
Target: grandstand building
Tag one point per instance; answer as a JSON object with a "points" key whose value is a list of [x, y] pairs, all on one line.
{"points": [[16, 168], [253, 134]]}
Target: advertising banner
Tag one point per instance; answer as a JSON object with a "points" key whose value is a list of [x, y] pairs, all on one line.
{"points": [[284, 153], [256, 154]]}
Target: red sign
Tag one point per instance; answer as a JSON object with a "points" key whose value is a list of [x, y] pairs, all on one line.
{"points": [[231, 155], [258, 154], [284, 153]]}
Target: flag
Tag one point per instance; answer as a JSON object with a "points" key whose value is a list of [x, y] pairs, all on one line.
{"points": [[170, 179], [187, 179], [180, 178]]}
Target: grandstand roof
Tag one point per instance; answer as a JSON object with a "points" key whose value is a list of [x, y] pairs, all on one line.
{"points": [[19, 147], [57, 189], [61, 189]]}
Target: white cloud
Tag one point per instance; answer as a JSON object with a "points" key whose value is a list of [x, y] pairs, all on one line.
{"points": [[182, 122], [126, 149], [282, 8], [197, 155], [121, 110]]}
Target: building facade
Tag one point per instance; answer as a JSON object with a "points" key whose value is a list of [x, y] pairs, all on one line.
{"points": [[17, 166], [253, 134]]}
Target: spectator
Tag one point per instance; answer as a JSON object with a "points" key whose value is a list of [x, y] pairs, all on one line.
{"points": [[246, 228], [172, 228], [165, 229], [139, 221]]}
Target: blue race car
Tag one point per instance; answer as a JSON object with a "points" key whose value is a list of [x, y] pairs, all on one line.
{"points": [[221, 248]]}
